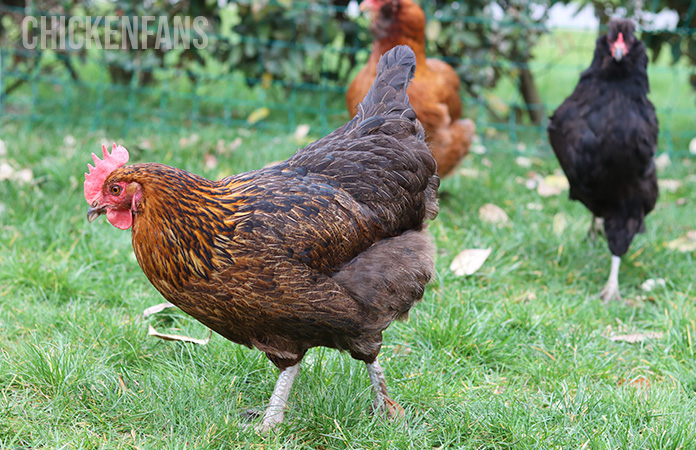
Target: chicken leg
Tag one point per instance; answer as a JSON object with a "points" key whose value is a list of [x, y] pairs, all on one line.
{"points": [[381, 401], [611, 290], [275, 412], [596, 229]]}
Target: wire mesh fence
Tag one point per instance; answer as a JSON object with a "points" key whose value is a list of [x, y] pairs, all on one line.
{"points": [[277, 65]]}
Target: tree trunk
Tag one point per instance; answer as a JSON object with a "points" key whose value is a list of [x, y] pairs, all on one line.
{"points": [[531, 96]]}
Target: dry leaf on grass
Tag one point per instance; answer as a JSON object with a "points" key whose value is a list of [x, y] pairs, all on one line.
{"points": [[6, 171], [177, 337], [632, 338], [686, 243], [552, 185], [468, 261], [663, 161], [523, 161], [469, 172], [156, 308], [650, 284], [151, 331], [301, 131], [560, 223], [210, 161], [640, 381], [258, 115], [186, 141], [69, 141], [402, 349], [22, 176], [669, 185], [491, 213]]}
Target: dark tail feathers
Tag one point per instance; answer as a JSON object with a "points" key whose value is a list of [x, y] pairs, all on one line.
{"points": [[395, 70]]}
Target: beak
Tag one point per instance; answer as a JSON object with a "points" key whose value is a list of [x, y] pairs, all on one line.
{"points": [[95, 211], [619, 48]]}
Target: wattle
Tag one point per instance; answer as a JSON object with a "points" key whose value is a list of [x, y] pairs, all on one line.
{"points": [[122, 219]]}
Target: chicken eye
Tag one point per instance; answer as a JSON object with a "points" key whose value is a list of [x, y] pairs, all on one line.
{"points": [[115, 189]]}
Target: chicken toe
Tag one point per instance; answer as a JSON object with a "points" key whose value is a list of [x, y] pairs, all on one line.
{"points": [[381, 401], [611, 290]]}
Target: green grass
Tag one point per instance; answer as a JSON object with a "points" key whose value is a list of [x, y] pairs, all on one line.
{"points": [[516, 356]]}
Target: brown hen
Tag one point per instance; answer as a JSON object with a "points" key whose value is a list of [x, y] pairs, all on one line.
{"points": [[324, 249], [434, 92]]}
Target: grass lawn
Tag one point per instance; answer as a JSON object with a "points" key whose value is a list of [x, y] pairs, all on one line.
{"points": [[517, 356]]}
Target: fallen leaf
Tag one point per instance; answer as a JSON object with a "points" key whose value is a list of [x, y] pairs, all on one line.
{"points": [[224, 148], [432, 30], [6, 171], [187, 141], [552, 185], [210, 161], [526, 297], [468, 261], [69, 141], [177, 337], [478, 149], [145, 144], [156, 308], [266, 80], [402, 349], [650, 284], [560, 223], [523, 161], [663, 161], [669, 185], [686, 243], [301, 131], [469, 172], [681, 201], [638, 382], [24, 176], [497, 104], [632, 338], [258, 115], [491, 213], [558, 181]]}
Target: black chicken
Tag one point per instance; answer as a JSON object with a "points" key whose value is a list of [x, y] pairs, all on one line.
{"points": [[605, 137]]}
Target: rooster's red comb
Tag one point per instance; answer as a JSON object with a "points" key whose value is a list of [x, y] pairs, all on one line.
{"points": [[94, 179]]}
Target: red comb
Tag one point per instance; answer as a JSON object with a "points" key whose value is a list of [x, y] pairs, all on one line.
{"points": [[94, 179]]}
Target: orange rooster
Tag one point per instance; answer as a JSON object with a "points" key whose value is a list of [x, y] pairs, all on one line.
{"points": [[434, 92], [324, 249]]}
